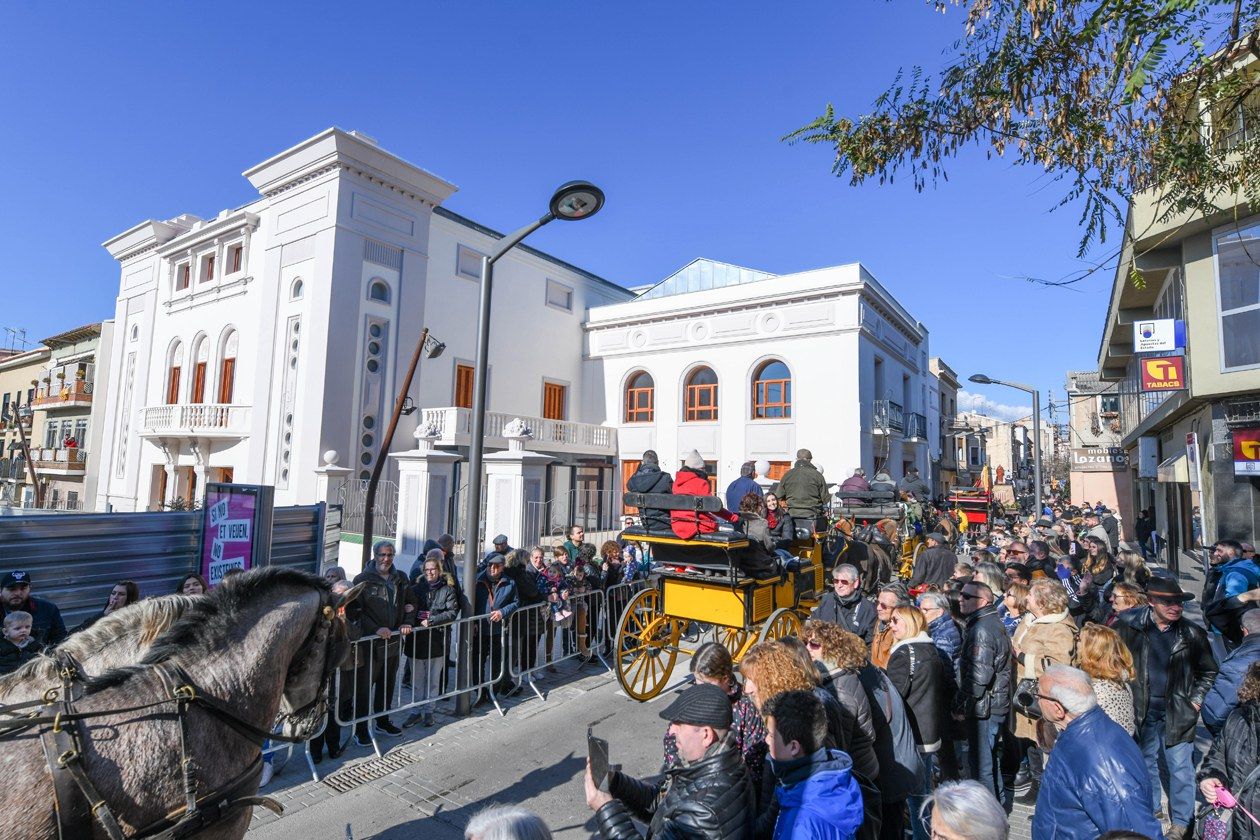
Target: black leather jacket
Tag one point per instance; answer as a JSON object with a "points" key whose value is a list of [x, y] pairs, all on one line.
{"points": [[1191, 670], [855, 614], [711, 799], [987, 666]]}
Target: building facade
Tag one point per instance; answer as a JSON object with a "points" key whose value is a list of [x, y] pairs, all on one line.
{"points": [[945, 470], [267, 345], [1099, 470], [20, 375]]}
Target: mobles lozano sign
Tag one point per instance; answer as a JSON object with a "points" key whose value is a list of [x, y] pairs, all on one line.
{"points": [[1099, 459]]}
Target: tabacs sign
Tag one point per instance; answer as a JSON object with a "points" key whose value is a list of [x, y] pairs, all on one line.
{"points": [[1163, 373], [1158, 335], [1247, 452]]}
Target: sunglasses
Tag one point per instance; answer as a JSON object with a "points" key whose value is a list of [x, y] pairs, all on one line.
{"points": [[968, 596], [386, 554], [845, 582], [814, 644]]}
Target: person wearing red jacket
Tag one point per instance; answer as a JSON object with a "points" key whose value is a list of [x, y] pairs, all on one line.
{"points": [[692, 480]]}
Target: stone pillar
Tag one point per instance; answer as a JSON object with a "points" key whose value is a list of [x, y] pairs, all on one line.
{"points": [[329, 479], [424, 487], [514, 489]]}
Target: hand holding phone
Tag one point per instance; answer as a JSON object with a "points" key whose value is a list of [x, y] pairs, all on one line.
{"points": [[597, 753]]}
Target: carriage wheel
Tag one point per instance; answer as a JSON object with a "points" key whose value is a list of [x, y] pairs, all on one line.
{"points": [[918, 549], [782, 622], [734, 639], [647, 645]]}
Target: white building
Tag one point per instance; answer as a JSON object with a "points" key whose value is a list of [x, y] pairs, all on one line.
{"points": [[249, 344], [744, 365]]}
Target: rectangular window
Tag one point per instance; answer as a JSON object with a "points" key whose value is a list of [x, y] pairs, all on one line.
{"points": [[238, 258], [51, 440], [80, 432], [183, 274], [468, 263], [559, 295], [702, 402], [553, 401], [463, 386], [772, 398], [778, 469], [1109, 404], [1238, 289], [207, 269], [639, 405], [711, 468]]}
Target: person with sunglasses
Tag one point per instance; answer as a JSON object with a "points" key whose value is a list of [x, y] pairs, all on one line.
{"points": [[845, 606], [984, 690], [1095, 780]]}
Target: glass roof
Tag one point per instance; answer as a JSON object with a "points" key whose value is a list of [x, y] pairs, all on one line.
{"points": [[700, 275]]}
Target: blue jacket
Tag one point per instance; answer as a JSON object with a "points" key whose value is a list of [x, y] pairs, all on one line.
{"points": [[1096, 781], [1223, 696], [506, 599], [818, 798], [738, 489], [948, 640], [1238, 576]]}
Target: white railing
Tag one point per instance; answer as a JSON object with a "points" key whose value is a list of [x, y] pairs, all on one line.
{"points": [[195, 419], [455, 424], [67, 458]]}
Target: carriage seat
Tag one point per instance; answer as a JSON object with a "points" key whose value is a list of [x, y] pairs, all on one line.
{"points": [[872, 512], [719, 538]]}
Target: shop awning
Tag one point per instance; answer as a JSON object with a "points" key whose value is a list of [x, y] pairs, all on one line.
{"points": [[1174, 470]]}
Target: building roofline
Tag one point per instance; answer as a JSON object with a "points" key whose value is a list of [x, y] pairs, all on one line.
{"points": [[73, 336], [494, 234]]}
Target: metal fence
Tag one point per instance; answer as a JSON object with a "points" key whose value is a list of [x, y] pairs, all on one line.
{"points": [[594, 510], [353, 500], [75, 558]]}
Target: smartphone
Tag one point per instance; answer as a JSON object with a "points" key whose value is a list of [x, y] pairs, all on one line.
{"points": [[597, 752]]}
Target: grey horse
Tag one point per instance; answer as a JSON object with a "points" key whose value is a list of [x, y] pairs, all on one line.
{"points": [[259, 645]]}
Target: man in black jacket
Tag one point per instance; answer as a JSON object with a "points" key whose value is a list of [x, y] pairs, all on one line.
{"points": [[47, 627], [984, 691], [1175, 670], [707, 795], [845, 606], [935, 563], [650, 478], [385, 606]]}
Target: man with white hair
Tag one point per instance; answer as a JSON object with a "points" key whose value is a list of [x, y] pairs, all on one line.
{"points": [[1096, 780]]}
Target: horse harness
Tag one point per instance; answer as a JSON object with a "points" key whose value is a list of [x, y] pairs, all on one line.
{"points": [[76, 799]]}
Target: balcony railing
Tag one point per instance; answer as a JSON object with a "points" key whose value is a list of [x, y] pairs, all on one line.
{"points": [[454, 426], [65, 394], [917, 428], [67, 460], [13, 469], [207, 420], [889, 416]]}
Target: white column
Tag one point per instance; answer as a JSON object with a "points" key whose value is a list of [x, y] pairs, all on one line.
{"points": [[424, 486], [514, 486], [330, 478]]}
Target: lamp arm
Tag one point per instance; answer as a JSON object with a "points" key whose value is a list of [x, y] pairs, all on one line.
{"points": [[510, 241]]}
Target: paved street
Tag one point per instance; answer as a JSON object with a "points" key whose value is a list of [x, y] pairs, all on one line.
{"points": [[432, 782]]}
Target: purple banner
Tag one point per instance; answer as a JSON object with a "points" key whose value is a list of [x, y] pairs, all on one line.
{"points": [[230, 522]]}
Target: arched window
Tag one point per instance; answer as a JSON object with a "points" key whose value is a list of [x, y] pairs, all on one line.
{"points": [[640, 398], [227, 367], [295, 292], [772, 391], [173, 365], [378, 290], [200, 361], [701, 395]]}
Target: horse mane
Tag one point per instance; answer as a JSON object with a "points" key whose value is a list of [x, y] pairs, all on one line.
{"points": [[207, 616], [146, 620]]}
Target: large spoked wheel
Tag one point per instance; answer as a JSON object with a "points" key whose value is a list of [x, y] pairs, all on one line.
{"points": [[734, 639], [918, 549], [647, 646], [781, 623]]}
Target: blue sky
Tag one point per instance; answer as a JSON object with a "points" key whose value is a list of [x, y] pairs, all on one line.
{"points": [[119, 112]]}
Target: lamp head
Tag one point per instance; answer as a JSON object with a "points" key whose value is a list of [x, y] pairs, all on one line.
{"points": [[434, 348], [576, 200], [408, 407], [980, 379]]}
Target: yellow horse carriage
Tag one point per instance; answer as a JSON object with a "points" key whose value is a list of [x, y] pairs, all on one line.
{"points": [[708, 580]]}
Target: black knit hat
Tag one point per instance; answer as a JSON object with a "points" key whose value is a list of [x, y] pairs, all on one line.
{"points": [[700, 705]]}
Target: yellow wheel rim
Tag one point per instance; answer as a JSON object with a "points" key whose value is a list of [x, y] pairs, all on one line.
{"points": [[647, 646], [734, 639], [780, 624]]}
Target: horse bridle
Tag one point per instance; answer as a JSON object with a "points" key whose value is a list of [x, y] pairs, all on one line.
{"points": [[77, 800]]}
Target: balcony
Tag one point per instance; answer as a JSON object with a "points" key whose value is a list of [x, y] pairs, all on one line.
{"points": [[13, 469], [917, 428], [454, 426], [51, 461], [64, 394], [888, 417], [214, 421]]}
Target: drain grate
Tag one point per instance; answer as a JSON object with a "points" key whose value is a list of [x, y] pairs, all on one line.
{"points": [[349, 778]]}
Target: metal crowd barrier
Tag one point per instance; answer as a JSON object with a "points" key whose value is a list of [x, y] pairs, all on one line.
{"points": [[616, 598], [287, 749], [535, 632]]}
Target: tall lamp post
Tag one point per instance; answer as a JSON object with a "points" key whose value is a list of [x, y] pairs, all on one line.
{"points": [[433, 348], [981, 379], [571, 202]]}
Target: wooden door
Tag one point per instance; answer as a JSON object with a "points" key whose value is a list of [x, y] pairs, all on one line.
{"points": [[553, 401], [628, 469], [227, 380], [172, 387], [777, 469], [199, 383], [463, 386]]}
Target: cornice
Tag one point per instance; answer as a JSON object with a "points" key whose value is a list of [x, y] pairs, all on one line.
{"points": [[213, 229], [767, 302], [304, 178]]}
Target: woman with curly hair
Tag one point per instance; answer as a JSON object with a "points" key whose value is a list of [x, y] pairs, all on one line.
{"points": [[1234, 756], [1107, 660], [839, 655]]}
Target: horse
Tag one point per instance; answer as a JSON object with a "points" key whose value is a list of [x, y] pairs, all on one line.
{"points": [[860, 547], [149, 723]]}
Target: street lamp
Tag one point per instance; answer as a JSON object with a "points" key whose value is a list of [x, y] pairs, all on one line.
{"points": [[572, 201], [981, 379], [431, 348]]}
